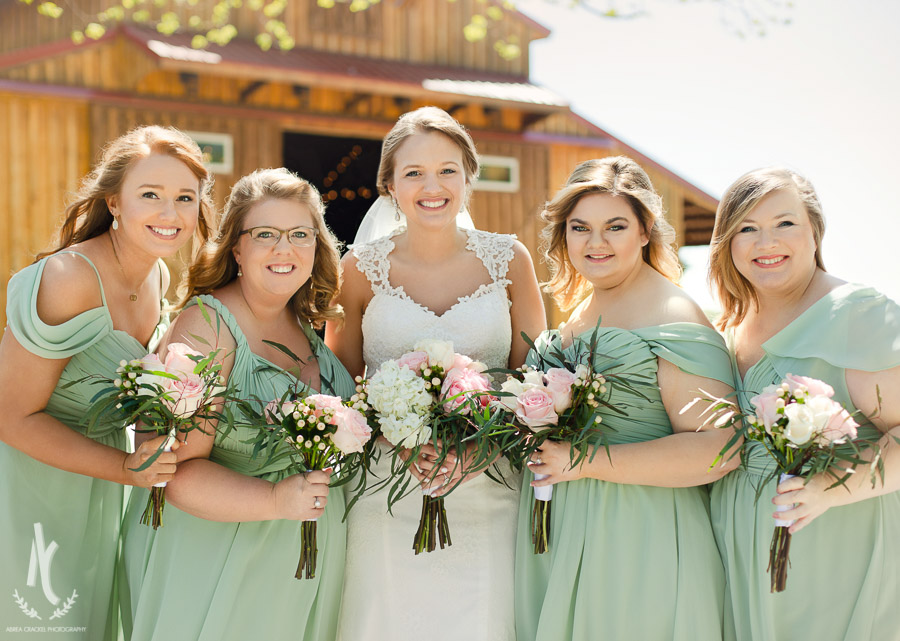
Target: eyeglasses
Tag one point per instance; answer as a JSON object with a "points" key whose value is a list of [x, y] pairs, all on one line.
{"points": [[271, 236]]}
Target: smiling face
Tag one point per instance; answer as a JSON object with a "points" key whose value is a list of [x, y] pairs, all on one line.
{"points": [[158, 205], [429, 181], [280, 269], [605, 240], [774, 247]]}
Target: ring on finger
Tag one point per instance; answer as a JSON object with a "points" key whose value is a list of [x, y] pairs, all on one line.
{"points": [[317, 503], [537, 461]]}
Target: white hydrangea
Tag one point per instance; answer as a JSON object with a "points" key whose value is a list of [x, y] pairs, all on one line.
{"points": [[397, 391], [405, 431]]}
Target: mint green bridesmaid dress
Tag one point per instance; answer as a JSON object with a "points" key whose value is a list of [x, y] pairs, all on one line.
{"points": [[627, 562], [59, 530], [211, 581], [843, 583]]}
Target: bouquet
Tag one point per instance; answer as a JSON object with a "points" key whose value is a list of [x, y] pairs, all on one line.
{"points": [[319, 432], [168, 397], [431, 395], [562, 400], [805, 432]]}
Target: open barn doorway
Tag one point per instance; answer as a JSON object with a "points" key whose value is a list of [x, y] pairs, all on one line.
{"points": [[343, 170]]}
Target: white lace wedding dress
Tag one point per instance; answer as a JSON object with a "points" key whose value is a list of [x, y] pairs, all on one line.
{"points": [[463, 592]]}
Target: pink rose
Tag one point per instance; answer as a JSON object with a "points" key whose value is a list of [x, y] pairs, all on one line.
{"points": [[840, 428], [415, 361], [184, 396], [178, 359], [460, 361], [321, 402], [766, 408], [559, 383], [460, 381], [813, 385], [352, 431], [534, 407]]}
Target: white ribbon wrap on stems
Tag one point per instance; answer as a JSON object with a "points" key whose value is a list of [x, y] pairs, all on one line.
{"points": [[545, 492], [382, 220], [167, 447], [784, 508]]}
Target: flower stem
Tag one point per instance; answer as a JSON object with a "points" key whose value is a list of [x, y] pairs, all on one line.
{"points": [[540, 526], [309, 551], [156, 502], [434, 528], [778, 558]]}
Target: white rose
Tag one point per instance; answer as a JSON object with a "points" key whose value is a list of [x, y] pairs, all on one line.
{"points": [[582, 371], [801, 423], [440, 353]]}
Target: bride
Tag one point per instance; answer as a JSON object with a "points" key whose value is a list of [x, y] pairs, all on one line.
{"points": [[431, 278]]}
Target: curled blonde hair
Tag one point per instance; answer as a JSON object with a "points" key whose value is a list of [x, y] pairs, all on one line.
{"points": [[426, 120], [616, 176], [88, 216], [734, 291], [215, 265]]}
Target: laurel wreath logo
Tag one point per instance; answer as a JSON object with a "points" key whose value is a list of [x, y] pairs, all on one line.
{"points": [[59, 613], [64, 610], [24, 607]]}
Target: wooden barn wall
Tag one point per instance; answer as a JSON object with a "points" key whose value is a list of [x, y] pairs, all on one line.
{"points": [[44, 152], [426, 31]]}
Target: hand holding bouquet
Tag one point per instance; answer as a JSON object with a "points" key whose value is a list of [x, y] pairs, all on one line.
{"points": [[805, 432], [163, 397], [319, 432], [432, 395]]}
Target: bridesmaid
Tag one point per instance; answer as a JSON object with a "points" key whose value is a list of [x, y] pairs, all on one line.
{"points": [[82, 307], [786, 315], [222, 565], [632, 554]]}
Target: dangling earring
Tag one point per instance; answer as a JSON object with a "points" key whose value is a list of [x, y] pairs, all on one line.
{"points": [[115, 224], [240, 273], [396, 209]]}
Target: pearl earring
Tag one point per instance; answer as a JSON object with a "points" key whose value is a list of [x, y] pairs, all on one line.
{"points": [[115, 224], [396, 209], [240, 273]]}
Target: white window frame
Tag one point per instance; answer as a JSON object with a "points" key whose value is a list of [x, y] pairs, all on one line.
{"points": [[508, 162]]}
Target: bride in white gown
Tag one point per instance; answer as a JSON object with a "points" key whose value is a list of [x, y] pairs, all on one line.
{"points": [[431, 279]]}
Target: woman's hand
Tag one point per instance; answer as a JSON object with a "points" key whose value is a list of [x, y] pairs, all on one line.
{"points": [[553, 459], [302, 497], [160, 471], [440, 481], [809, 501]]}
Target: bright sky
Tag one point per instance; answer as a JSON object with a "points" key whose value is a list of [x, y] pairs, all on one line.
{"points": [[821, 95]]}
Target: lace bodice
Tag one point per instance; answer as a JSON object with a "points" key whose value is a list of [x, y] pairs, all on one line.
{"points": [[478, 324]]}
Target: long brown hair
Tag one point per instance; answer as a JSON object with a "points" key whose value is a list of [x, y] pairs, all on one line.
{"points": [[734, 291], [617, 176], [88, 216], [215, 265]]}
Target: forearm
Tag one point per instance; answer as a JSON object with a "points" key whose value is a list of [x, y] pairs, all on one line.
{"points": [[53, 443], [213, 492], [859, 487], [678, 460]]}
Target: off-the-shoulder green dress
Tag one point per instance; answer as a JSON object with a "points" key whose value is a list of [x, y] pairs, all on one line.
{"points": [[212, 581], [844, 579], [59, 530], [627, 561]]}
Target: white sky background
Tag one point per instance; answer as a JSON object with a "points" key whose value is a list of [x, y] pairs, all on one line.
{"points": [[821, 95]]}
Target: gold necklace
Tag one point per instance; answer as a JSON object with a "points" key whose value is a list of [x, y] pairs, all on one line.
{"points": [[133, 296]]}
